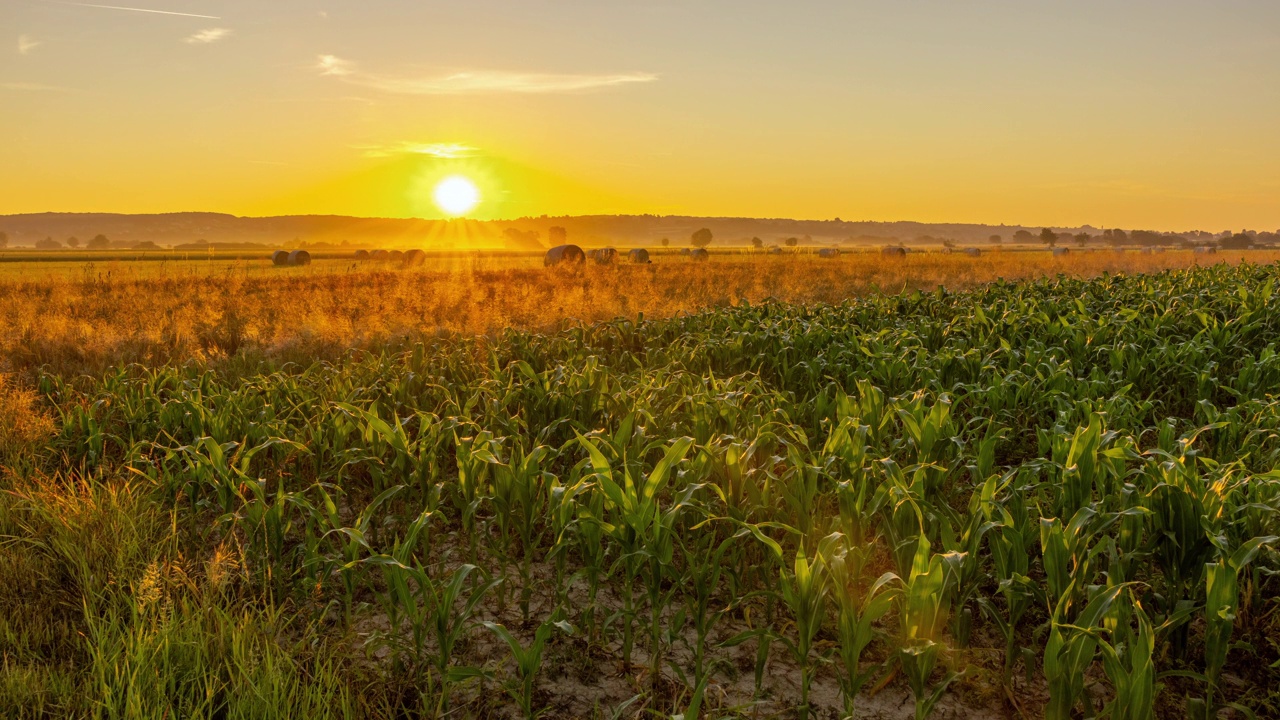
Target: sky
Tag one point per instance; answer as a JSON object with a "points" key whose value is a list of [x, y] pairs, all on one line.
{"points": [[1138, 114]]}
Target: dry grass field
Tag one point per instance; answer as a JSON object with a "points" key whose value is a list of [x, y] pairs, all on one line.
{"points": [[73, 316]]}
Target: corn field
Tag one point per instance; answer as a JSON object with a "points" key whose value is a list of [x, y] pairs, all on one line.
{"points": [[1053, 498]]}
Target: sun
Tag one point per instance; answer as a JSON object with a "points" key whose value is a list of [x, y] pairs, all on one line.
{"points": [[456, 195]]}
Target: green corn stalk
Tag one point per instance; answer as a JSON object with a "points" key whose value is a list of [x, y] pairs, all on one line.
{"points": [[1130, 667], [804, 591], [1222, 601], [520, 501], [267, 520], [932, 434], [704, 568], [1072, 648], [860, 606], [410, 589], [528, 660], [923, 608], [476, 455], [452, 606], [352, 541], [644, 531], [1009, 543]]}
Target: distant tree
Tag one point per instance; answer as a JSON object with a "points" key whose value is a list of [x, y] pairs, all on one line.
{"points": [[1119, 237], [1239, 241], [792, 242], [522, 239], [995, 240], [701, 238], [73, 242], [99, 242], [1148, 238], [1023, 236], [665, 242], [757, 243], [4, 240], [557, 235], [48, 244], [1048, 237], [146, 245], [1083, 239]]}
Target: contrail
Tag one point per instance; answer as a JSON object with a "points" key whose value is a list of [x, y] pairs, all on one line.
{"points": [[141, 10]]}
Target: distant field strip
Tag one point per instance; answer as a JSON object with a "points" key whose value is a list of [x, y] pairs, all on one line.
{"points": [[92, 315]]}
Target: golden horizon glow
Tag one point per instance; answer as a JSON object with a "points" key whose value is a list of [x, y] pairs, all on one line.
{"points": [[456, 195], [994, 111]]}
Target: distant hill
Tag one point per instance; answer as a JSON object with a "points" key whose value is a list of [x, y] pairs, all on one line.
{"points": [[220, 229]]}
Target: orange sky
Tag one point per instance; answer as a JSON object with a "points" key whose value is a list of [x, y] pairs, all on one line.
{"points": [[1146, 114]]}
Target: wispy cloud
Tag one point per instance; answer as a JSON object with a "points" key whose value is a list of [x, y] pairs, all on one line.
{"points": [[137, 10], [444, 151], [475, 81], [27, 44], [333, 65], [208, 35]]}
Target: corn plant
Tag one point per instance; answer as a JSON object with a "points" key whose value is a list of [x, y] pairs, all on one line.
{"points": [[520, 498], [1222, 600], [528, 660], [644, 530], [804, 591], [351, 542], [1072, 648], [922, 608], [860, 605]]}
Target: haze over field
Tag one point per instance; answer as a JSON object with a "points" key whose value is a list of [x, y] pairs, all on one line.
{"points": [[1140, 114]]}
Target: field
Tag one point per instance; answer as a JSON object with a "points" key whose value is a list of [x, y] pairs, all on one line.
{"points": [[74, 317], [759, 487]]}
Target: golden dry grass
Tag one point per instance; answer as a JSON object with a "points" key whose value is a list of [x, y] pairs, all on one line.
{"points": [[87, 318]]}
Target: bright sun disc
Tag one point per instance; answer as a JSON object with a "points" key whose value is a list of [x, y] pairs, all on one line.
{"points": [[456, 195]]}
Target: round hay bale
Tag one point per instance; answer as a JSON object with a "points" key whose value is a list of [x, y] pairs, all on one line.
{"points": [[415, 258], [775, 251], [362, 255], [280, 257], [1203, 250], [564, 255], [1058, 252], [396, 256], [973, 252], [684, 251], [894, 251], [603, 256], [829, 253], [699, 255], [639, 256], [379, 256], [298, 258]]}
